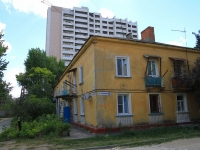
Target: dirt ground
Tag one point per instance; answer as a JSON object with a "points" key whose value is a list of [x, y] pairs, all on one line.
{"points": [[181, 144]]}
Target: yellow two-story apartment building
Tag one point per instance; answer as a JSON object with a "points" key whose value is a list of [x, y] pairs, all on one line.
{"points": [[113, 82]]}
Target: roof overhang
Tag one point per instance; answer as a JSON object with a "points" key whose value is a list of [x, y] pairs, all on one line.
{"points": [[72, 70], [151, 56], [179, 59]]}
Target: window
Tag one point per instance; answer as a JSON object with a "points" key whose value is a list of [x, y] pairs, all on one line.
{"points": [[155, 105], [178, 66], [81, 74], [75, 106], [82, 106], [123, 104], [181, 102], [152, 68], [122, 66], [74, 81]]}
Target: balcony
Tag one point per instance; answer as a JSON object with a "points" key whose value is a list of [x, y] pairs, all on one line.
{"points": [[81, 36], [81, 25], [179, 83], [153, 81], [81, 31], [80, 41], [67, 33], [81, 20], [67, 45], [67, 58]]}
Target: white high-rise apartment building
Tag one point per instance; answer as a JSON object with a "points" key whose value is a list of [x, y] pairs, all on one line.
{"points": [[68, 29]]}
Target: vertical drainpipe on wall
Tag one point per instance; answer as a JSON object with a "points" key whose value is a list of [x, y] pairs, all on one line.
{"points": [[95, 77]]}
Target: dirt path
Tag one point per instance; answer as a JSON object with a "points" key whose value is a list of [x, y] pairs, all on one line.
{"points": [[181, 144]]}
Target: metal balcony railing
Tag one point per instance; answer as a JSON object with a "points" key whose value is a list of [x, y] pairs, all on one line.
{"points": [[153, 81], [178, 82]]}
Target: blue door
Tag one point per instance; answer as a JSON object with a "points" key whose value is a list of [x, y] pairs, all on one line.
{"points": [[67, 114]]}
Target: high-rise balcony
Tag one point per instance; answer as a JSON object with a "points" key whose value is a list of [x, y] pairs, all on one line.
{"points": [[81, 20], [68, 33], [68, 22], [81, 25], [78, 47], [67, 46], [81, 36], [68, 29], [153, 81], [80, 41], [82, 31], [81, 15], [67, 58], [68, 40]]}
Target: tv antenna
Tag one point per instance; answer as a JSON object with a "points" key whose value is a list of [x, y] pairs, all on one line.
{"points": [[184, 31]]}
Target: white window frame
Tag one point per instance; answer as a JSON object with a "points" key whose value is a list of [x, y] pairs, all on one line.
{"points": [[80, 74], [75, 107], [82, 106], [74, 81], [129, 104], [128, 66], [160, 103], [184, 102], [156, 69]]}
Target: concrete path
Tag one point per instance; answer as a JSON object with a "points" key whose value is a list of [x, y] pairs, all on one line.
{"points": [[79, 133], [4, 122]]}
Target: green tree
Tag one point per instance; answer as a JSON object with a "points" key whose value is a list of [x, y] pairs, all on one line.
{"points": [[41, 73], [3, 63], [192, 80], [5, 88], [35, 58], [197, 40]]}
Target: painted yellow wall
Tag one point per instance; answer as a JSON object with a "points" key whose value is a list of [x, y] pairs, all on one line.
{"points": [[106, 80], [99, 72]]}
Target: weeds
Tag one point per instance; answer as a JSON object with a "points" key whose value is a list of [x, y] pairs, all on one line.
{"points": [[43, 125]]}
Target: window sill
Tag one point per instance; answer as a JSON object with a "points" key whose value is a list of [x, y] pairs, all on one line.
{"points": [[75, 114], [124, 115], [81, 83], [182, 112], [155, 114], [123, 77], [82, 115]]}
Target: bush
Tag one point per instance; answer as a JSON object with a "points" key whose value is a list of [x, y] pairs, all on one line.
{"points": [[43, 125]]}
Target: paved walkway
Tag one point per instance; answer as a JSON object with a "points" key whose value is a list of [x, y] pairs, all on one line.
{"points": [[4, 122], [79, 133]]}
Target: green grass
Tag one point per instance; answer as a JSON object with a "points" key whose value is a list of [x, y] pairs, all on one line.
{"points": [[127, 138]]}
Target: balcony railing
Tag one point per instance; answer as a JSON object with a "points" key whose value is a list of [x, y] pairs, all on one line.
{"points": [[153, 81], [178, 82]]}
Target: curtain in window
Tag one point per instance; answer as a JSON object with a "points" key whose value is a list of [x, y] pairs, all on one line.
{"points": [[151, 68], [122, 67], [123, 104]]}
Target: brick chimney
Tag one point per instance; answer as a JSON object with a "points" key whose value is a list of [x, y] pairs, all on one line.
{"points": [[148, 34]]}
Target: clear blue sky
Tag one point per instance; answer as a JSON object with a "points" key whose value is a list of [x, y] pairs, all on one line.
{"points": [[24, 23]]}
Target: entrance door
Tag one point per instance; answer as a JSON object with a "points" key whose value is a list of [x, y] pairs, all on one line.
{"points": [[67, 114]]}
